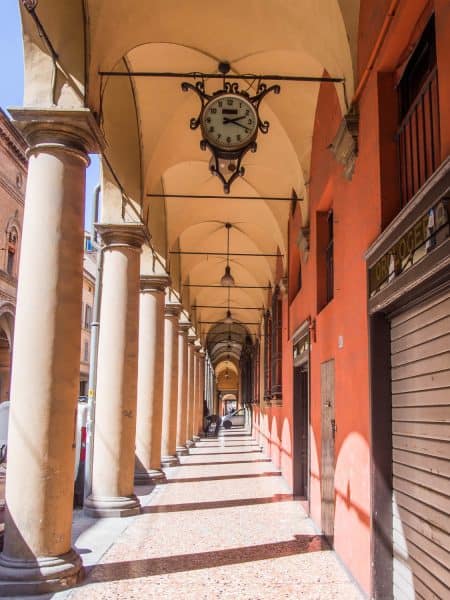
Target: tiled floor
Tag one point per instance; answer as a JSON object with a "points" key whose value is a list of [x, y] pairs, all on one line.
{"points": [[224, 526]]}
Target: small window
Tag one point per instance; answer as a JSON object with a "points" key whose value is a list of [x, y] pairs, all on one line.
{"points": [[87, 316], [10, 262], [329, 258], [325, 258], [11, 247]]}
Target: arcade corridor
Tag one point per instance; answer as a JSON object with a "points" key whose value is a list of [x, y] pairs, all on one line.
{"points": [[273, 237], [224, 526]]}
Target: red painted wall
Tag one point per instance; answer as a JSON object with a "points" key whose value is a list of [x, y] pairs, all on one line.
{"points": [[362, 208]]}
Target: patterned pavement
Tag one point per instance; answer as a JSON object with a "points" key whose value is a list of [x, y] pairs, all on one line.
{"points": [[224, 526]]}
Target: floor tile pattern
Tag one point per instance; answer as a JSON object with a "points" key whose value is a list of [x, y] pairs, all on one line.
{"points": [[225, 527]]}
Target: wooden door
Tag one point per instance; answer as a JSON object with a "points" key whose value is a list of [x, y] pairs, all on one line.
{"points": [[328, 434], [301, 431]]}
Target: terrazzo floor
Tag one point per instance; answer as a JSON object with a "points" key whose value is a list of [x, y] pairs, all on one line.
{"points": [[224, 526]]}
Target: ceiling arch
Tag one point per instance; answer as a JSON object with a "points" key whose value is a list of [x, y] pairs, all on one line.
{"points": [[151, 148]]}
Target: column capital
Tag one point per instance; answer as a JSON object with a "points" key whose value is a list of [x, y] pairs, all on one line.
{"points": [[74, 130], [172, 309], [122, 234], [184, 326], [154, 283], [192, 337]]}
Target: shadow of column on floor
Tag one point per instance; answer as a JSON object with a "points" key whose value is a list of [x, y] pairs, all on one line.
{"points": [[224, 477], [165, 508], [205, 560]]}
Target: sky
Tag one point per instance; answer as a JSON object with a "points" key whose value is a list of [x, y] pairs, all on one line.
{"points": [[11, 81]]}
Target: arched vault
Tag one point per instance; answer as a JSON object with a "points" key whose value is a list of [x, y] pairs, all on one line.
{"points": [[150, 148]]}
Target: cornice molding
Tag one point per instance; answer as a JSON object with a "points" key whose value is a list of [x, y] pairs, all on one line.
{"points": [[131, 235], [154, 283], [75, 130], [13, 140]]}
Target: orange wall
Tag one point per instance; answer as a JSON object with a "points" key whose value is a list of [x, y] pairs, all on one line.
{"points": [[362, 208]]}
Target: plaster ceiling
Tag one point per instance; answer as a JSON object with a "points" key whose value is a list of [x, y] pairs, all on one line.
{"points": [[146, 124]]}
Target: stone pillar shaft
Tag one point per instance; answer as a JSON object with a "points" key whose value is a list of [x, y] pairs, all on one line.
{"points": [[150, 380], [182, 409], [170, 389], [115, 419], [201, 389], [195, 411], [190, 392], [37, 555]]}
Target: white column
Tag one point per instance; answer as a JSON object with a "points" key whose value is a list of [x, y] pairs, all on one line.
{"points": [[115, 416], [201, 389], [37, 556], [191, 390], [150, 380], [170, 386], [182, 409], [195, 418]]}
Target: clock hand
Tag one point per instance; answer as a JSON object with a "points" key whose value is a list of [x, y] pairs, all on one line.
{"points": [[235, 120], [240, 125]]}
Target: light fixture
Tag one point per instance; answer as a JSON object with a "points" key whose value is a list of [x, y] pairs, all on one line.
{"points": [[228, 319], [227, 278]]}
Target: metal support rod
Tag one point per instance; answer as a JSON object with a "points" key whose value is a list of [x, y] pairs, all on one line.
{"points": [[225, 307], [224, 197], [205, 253], [245, 287], [198, 75], [221, 323]]}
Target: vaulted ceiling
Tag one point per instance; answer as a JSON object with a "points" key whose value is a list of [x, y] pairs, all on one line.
{"points": [[150, 148]]}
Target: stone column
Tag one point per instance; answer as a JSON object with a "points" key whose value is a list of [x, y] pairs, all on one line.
{"points": [[201, 389], [195, 418], [170, 386], [150, 380], [191, 390], [37, 555], [115, 416], [182, 409]]}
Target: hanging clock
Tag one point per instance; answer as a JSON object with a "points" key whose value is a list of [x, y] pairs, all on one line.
{"points": [[229, 121]]}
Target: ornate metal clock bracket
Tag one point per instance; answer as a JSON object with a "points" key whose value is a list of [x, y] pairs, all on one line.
{"points": [[231, 158]]}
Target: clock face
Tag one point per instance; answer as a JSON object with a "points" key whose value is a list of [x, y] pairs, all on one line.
{"points": [[229, 122]]}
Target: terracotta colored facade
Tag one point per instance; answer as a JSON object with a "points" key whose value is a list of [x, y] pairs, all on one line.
{"points": [[12, 191], [362, 207]]}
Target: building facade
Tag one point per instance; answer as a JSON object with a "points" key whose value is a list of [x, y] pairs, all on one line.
{"points": [[13, 174], [317, 290], [89, 276]]}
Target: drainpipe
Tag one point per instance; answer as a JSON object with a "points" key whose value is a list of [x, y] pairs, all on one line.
{"points": [[376, 50], [93, 358]]}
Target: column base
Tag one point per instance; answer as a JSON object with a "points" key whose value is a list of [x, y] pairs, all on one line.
{"points": [[170, 461], [189, 443], [41, 575], [148, 477], [182, 451], [103, 506], [196, 438]]}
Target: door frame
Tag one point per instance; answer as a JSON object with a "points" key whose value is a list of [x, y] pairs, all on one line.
{"points": [[330, 427], [301, 359]]}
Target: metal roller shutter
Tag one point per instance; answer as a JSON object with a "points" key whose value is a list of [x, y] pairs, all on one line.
{"points": [[420, 371]]}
